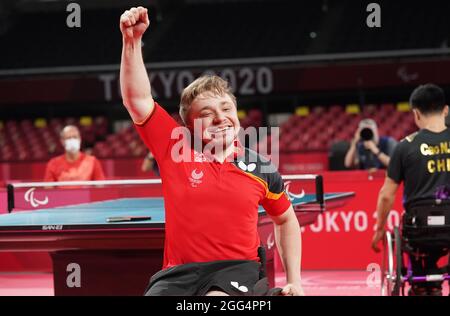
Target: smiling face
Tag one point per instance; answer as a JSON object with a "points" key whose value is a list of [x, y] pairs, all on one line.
{"points": [[208, 109], [218, 117]]}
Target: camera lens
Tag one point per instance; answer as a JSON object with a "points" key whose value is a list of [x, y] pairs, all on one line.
{"points": [[366, 134]]}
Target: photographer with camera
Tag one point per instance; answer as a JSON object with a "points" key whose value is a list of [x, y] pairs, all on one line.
{"points": [[368, 150]]}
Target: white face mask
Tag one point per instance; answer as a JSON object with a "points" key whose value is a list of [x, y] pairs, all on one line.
{"points": [[72, 145]]}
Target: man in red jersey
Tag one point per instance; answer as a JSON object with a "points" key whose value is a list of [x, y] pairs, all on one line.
{"points": [[73, 165], [211, 196]]}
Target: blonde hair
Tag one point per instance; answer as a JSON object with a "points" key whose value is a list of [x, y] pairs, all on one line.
{"points": [[209, 84]]}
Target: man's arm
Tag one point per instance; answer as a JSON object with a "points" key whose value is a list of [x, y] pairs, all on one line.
{"points": [[148, 163], [351, 159], [289, 244], [382, 157], [350, 156], [134, 81], [385, 202]]}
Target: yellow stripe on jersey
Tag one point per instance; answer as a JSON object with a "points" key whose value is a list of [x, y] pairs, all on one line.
{"points": [[269, 195]]}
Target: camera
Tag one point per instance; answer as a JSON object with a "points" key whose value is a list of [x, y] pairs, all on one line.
{"points": [[366, 134]]}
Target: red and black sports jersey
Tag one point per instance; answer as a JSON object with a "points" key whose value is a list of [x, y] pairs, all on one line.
{"points": [[211, 207]]}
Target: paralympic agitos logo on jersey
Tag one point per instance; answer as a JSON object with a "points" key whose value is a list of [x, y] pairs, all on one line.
{"points": [[195, 178]]}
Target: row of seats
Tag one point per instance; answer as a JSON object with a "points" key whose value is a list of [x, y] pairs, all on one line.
{"points": [[39, 140], [319, 129], [127, 143], [309, 129]]}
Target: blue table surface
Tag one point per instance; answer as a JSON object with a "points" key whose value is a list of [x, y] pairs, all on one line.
{"points": [[96, 213]]}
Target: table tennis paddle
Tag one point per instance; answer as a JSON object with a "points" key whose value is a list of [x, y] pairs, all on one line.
{"points": [[128, 219]]}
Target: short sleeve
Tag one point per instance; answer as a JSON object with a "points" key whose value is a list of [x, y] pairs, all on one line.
{"points": [[156, 132], [276, 201], [395, 168]]}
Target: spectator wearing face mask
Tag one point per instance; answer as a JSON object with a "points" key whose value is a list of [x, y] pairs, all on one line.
{"points": [[73, 165]]}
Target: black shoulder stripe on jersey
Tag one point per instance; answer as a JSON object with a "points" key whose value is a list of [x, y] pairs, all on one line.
{"points": [[260, 167]]}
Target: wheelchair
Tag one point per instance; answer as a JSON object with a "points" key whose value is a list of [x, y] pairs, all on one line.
{"points": [[425, 231]]}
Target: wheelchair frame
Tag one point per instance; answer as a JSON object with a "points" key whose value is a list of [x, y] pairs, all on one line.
{"points": [[395, 274]]}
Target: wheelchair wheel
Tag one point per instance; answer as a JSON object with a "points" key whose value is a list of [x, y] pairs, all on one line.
{"points": [[387, 280], [398, 286], [391, 280]]}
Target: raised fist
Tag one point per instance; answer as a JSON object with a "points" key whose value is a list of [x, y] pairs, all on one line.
{"points": [[134, 22]]}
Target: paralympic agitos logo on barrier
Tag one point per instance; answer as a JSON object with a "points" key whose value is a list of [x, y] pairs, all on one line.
{"points": [[30, 198], [293, 196]]}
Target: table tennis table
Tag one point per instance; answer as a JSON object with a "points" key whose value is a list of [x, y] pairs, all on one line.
{"points": [[92, 255]]}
